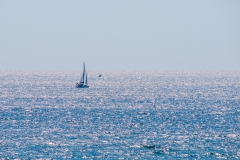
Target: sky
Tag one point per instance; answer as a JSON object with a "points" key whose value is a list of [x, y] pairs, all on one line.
{"points": [[120, 34]]}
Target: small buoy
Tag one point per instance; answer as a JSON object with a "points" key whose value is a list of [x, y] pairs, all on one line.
{"points": [[99, 75]]}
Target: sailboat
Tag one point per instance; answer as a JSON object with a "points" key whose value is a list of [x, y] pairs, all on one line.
{"points": [[84, 81]]}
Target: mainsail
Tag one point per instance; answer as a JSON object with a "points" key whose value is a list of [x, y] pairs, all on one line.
{"points": [[86, 79], [83, 74]]}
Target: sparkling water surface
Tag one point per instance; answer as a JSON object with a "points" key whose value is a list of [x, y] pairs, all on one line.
{"points": [[123, 115]]}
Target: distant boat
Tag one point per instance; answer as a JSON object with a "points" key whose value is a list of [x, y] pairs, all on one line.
{"points": [[99, 75], [84, 81]]}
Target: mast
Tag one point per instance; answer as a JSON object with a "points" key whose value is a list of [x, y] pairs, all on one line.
{"points": [[84, 70]]}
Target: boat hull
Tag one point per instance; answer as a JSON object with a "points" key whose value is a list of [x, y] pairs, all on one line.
{"points": [[81, 85]]}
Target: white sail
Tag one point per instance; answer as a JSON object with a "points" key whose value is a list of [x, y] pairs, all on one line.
{"points": [[82, 79]]}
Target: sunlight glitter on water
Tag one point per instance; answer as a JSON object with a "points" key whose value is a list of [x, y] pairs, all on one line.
{"points": [[124, 114]]}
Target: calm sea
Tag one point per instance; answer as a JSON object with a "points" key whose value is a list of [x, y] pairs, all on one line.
{"points": [[123, 115]]}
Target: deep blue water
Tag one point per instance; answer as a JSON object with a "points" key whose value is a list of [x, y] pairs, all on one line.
{"points": [[123, 115]]}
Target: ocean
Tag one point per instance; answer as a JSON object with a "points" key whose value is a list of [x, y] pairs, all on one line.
{"points": [[123, 115]]}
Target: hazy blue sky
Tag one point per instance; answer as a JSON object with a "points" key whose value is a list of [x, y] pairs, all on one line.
{"points": [[120, 34]]}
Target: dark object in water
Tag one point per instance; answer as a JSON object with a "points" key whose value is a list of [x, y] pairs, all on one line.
{"points": [[99, 75], [149, 146]]}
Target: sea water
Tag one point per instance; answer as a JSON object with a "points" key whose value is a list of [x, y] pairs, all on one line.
{"points": [[123, 115]]}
